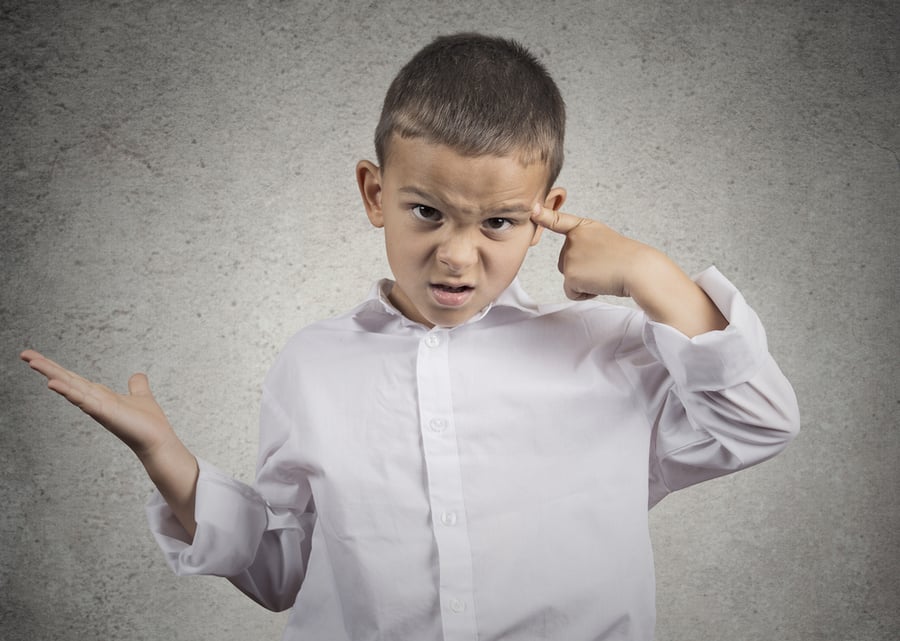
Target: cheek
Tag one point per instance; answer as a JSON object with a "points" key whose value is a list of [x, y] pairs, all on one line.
{"points": [[508, 256], [404, 248]]}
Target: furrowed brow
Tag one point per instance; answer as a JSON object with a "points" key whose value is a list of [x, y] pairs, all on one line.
{"points": [[509, 210], [501, 211], [418, 193]]}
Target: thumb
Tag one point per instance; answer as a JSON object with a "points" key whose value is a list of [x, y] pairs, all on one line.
{"points": [[138, 385], [556, 221]]}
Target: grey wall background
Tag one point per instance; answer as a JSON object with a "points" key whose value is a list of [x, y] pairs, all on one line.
{"points": [[178, 198]]}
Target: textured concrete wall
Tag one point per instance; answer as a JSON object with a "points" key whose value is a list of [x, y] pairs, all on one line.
{"points": [[178, 198]]}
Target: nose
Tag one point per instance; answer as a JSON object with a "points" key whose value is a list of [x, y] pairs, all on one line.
{"points": [[458, 251]]}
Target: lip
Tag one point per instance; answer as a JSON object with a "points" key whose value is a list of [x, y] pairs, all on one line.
{"points": [[451, 294]]}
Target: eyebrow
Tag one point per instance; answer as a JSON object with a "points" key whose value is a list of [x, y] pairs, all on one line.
{"points": [[503, 210]]}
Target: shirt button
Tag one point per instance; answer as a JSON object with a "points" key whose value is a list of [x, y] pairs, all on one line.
{"points": [[448, 518], [457, 606], [437, 424], [432, 340]]}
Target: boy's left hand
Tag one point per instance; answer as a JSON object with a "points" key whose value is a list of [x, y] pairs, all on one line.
{"points": [[595, 260]]}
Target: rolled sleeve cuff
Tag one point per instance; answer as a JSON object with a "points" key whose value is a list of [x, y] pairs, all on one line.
{"points": [[231, 518], [714, 360]]}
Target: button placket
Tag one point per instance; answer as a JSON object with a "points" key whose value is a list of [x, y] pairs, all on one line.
{"points": [[457, 606], [443, 474]]}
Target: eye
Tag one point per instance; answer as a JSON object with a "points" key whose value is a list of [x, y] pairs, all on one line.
{"points": [[498, 224], [426, 213]]}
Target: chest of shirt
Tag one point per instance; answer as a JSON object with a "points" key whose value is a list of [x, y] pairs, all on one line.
{"points": [[377, 414]]}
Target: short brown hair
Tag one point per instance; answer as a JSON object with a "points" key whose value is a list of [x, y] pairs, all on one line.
{"points": [[479, 95]]}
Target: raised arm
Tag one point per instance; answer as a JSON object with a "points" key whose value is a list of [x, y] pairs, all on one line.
{"points": [[139, 422], [718, 403]]}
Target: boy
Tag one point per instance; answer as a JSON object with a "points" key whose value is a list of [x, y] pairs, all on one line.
{"points": [[448, 460]]}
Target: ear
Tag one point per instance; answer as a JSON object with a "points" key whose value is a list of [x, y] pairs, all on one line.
{"points": [[554, 200], [368, 178]]}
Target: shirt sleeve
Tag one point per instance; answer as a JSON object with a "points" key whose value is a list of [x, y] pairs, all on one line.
{"points": [[258, 537], [718, 403]]}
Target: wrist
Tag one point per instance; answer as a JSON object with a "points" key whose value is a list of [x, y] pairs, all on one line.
{"points": [[166, 455], [668, 295], [150, 448], [648, 274], [174, 471]]}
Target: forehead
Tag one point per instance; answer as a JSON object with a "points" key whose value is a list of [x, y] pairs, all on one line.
{"points": [[417, 165]]}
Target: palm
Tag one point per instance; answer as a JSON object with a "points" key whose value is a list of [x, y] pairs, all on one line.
{"points": [[135, 418]]}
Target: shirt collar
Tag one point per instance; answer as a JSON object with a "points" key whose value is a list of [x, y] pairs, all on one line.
{"points": [[513, 298]]}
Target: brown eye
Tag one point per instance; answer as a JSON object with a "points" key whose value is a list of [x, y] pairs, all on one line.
{"points": [[424, 212], [498, 224]]}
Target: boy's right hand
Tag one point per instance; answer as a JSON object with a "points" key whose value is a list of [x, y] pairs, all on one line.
{"points": [[135, 418], [138, 421]]}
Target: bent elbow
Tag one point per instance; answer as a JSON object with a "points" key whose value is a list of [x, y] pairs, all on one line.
{"points": [[777, 416], [276, 598], [788, 421], [285, 602], [793, 425]]}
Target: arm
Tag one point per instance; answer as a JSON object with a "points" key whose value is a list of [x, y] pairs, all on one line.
{"points": [[717, 403], [206, 523], [716, 399], [138, 421], [258, 537]]}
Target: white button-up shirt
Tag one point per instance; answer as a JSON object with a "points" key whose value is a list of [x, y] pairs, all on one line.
{"points": [[489, 481]]}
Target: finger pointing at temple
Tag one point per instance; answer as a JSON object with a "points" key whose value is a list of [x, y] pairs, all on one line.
{"points": [[557, 221]]}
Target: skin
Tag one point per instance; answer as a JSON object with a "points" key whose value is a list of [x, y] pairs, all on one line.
{"points": [[448, 221], [452, 221], [440, 212]]}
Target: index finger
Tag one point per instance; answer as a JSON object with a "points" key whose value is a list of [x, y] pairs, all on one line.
{"points": [[29, 355], [53, 371], [557, 221]]}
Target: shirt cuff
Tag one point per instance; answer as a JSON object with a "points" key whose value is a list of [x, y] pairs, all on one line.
{"points": [[231, 518], [718, 359]]}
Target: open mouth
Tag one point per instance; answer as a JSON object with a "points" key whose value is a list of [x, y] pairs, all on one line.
{"points": [[455, 290], [451, 296]]}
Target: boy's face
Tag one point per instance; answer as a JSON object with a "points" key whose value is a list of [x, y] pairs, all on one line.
{"points": [[456, 228]]}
